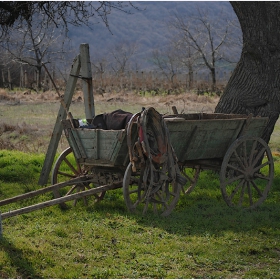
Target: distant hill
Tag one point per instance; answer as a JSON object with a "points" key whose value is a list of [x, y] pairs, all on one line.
{"points": [[146, 26]]}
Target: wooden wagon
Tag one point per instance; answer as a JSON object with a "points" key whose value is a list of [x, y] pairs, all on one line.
{"points": [[154, 157], [148, 158], [230, 144]]}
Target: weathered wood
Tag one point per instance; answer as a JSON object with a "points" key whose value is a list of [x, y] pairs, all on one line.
{"points": [[44, 190], [1, 229], [69, 91], [209, 137], [97, 145], [60, 200], [87, 81]]}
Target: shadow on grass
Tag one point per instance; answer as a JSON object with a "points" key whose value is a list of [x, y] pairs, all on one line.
{"points": [[17, 260], [205, 212], [215, 219]]}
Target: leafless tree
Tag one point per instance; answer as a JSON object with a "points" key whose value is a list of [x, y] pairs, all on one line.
{"points": [[201, 35], [60, 13], [167, 61], [35, 45], [100, 67], [29, 29], [121, 57], [187, 56]]}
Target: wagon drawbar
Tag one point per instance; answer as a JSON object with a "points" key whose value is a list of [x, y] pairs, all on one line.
{"points": [[151, 158]]}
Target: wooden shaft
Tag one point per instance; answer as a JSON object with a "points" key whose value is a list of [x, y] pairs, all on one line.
{"points": [[60, 200], [43, 190]]}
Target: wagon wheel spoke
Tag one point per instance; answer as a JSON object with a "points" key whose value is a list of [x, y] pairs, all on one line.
{"points": [[245, 153], [76, 170], [133, 189], [147, 195], [230, 166], [241, 162], [71, 190], [250, 195], [234, 179], [66, 174], [258, 157], [257, 189], [241, 183], [147, 202], [261, 166], [247, 185], [67, 167], [253, 152], [242, 195], [263, 177], [192, 178]]}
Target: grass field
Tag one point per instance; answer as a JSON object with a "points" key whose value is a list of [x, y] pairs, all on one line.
{"points": [[202, 238]]}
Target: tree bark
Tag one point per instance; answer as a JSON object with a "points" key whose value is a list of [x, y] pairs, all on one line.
{"points": [[254, 86]]}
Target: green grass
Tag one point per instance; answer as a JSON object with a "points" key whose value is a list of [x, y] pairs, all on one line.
{"points": [[202, 238]]}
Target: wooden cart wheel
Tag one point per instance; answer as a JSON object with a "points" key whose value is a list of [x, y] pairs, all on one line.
{"points": [[161, 198], [66, 167], [247, 173], [192, 174]]}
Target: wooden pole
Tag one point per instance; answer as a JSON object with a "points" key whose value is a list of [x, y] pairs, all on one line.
{"points": [[57, 131], [60, 200], [31, 194], [1, 229], [87, 81]]}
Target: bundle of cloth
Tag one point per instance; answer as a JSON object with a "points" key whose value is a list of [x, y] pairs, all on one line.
{"points": [[115, 120]]}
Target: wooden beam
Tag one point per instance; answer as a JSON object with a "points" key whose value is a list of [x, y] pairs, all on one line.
{"points": [[57, 131], [86, 75], [60, 200], [1, 229], [57, 186]]}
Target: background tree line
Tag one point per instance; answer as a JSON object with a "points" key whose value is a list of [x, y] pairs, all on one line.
{"points": [[254, 86], [196, 56]]}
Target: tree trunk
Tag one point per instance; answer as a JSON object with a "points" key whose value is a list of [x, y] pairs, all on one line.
{"points": [[213, 77], [254, 86]]}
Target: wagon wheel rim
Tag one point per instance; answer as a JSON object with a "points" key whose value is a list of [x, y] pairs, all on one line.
{"points": [[66, 168], [141, 197], [247, 173], [192, 175]]}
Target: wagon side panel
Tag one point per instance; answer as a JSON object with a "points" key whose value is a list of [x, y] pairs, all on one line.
{"points": [[99, 147], [203, 139], [255, 127]]}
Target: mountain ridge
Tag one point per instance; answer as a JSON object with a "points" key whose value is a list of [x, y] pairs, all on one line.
{"points": [[146, 27]]}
